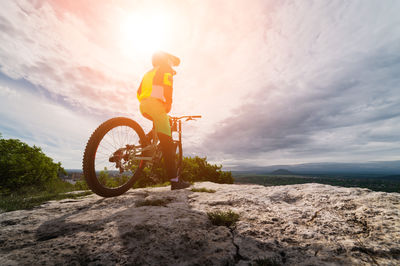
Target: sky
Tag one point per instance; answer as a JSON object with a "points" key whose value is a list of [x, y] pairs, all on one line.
{"points": [[276, 82]]}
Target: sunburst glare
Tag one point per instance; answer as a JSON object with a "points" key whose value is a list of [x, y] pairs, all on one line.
{"points": [[143, 32]]}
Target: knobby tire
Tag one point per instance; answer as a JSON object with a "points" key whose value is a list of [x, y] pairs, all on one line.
{"points": [[88, 163]]}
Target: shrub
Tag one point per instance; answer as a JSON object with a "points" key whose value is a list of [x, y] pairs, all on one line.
{"points": [[227, 218], [194, 169], [22, 165], [198, 169], [81, 185], [108, 180]]}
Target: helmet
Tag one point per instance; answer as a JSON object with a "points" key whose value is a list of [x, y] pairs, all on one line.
{"points": [[161, 58]]}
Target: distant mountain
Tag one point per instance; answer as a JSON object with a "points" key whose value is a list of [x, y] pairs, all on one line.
{"points": [[376, 168], [281, 172], [74, 170]]}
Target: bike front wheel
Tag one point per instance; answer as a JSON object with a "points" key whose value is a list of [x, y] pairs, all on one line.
{"points": [[112, 159]]}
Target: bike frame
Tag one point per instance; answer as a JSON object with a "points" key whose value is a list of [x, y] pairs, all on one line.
{"points": [[176, 126], [130, 158]]}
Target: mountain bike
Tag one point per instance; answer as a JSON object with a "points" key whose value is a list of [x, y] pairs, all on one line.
{"points": [[119, 153]]}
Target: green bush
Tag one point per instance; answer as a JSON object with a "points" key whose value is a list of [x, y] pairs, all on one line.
{"points": [[108, 180], [225, 218], [28, 177], [198, 169], [22, 165], [81, 185], [194, 169]]}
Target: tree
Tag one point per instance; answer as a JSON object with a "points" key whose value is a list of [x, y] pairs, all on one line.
{"points": [[22, 165], [194, 169], [198, 169]]}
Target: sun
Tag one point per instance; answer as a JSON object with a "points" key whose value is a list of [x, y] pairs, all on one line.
{"points": [[143, 33]]}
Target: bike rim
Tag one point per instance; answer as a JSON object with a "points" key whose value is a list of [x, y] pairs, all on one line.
{"points": [[115, 160]]}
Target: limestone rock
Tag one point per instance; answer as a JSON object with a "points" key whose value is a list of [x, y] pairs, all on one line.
{"points": [[309, 224]]}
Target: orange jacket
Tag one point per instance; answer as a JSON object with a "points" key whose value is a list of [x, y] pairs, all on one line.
{"points": [[157, 83]]}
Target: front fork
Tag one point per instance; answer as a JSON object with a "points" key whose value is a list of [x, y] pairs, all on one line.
{"points": [[179, 144], [152, 148]]}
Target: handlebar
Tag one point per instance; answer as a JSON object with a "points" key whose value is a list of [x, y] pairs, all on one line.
{"points": [[188, 117], [176, 122]]}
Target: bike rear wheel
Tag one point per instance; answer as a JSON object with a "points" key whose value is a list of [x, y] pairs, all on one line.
{"points": [[111, 162]]}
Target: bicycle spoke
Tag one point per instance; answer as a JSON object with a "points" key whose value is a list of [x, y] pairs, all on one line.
{"points": [[110, 143], [112, 154], [124, 134]]}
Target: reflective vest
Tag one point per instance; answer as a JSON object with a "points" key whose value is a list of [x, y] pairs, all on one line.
{"points": [[157, 83]]}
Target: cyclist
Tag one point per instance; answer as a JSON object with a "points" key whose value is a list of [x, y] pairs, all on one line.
{"points": [[155, 97]]}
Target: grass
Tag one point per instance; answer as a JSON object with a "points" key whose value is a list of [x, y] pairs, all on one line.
{"points": [[224, 218], [18, 202], [24, 202], [203, 189], [29, 197]]}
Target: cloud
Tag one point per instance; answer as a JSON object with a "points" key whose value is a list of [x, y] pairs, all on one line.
{"points": [[275, 81], [61, 133], [53, 50], [327, 106]]}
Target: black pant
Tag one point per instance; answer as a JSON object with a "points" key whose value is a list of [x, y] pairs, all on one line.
{"points": [[168, 150]]}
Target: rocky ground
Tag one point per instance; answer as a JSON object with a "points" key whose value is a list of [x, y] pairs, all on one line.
{"points": [[309, 224]]}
